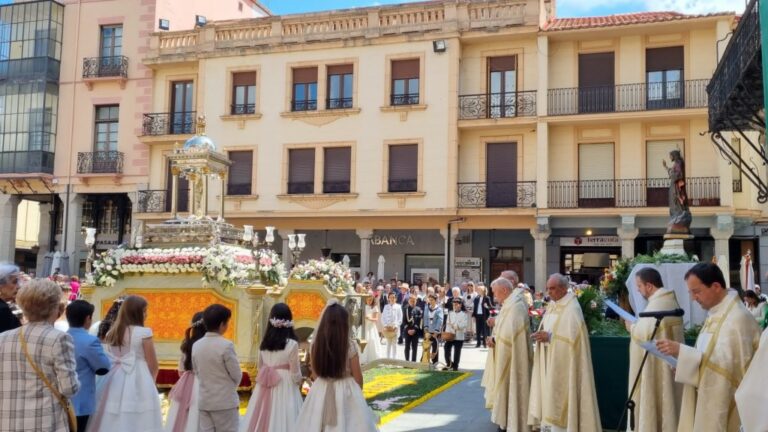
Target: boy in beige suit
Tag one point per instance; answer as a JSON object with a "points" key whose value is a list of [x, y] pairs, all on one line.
{"points": [[218, 372]]}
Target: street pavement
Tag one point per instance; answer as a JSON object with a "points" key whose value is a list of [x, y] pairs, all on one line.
{"points": [[459, 408]]}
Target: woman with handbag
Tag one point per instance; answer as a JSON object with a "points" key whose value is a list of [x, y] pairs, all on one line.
{"points": [[37, 365], [455, 326], [391, 319]]}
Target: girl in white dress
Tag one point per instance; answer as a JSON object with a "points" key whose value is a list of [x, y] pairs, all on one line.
{"points": [[276, 400], [127, 398], [183, 415], [335, 402], [373, 348]]}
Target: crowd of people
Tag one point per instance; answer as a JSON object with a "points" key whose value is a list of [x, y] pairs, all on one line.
{"points": [[400, 314]]}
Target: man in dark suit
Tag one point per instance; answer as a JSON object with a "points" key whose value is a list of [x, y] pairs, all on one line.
{"points": [[412, 316], [9, 285], [481, 311]]}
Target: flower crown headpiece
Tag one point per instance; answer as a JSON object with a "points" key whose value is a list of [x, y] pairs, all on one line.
{"points": [[198, 323], [280, 323]]}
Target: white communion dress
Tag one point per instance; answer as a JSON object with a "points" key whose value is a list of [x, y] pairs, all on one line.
{"points": [[276, 400], [337, 405], [127, 399], [183, 414], [373, 348]]}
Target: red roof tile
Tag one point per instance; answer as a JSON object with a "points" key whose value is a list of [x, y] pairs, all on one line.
{"points": [[557, 24]]}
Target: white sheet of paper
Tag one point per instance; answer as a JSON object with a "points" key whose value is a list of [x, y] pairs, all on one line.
{"points": [[626, 316], [650, 346]]}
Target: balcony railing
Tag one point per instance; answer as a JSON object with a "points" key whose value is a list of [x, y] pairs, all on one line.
{"points": [[734, 91], [304, 105], [100, 67], [100, 162], [25, 162], [702, 191], [242, 109], [405, 185], [497, 194], [627, 97], [404, 99], [152, 201], [737, 185], [301, 187], [497, 105], [169, 123], [331, 187], [338, 103]]}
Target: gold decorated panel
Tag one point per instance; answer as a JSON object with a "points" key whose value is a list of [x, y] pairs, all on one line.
{"points": [[170, 311], [305, 306]]}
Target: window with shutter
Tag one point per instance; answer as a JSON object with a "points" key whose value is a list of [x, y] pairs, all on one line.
{"points": [[337, 169], [596, 82], [596, 176], [243, 93], [301, 171], [339, 87], [657, 179], [664, 77], [240, 173], [501, 175], [405, 82], [403, 168], [502, 85], [304, 89]]}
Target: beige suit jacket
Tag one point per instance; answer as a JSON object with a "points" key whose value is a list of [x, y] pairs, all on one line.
{"points": [[218, 371]]}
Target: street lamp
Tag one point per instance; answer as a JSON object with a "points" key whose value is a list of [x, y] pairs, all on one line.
{"points": [[296, 243], [90, 241]]}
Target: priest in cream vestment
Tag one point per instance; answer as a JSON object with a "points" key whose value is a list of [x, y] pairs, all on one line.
{"points": [[507, 375], [657, 396], [713, 370], [752, 395], [563, 394]]}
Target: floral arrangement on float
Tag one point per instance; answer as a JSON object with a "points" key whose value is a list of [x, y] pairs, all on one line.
{"points": [[227, 265], [337, 277]]}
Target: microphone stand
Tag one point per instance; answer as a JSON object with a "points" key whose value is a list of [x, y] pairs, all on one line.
{"points": [[629, 405]]}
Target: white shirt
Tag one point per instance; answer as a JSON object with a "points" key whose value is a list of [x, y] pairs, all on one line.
{"points": [[457, 323], [392, 315]]}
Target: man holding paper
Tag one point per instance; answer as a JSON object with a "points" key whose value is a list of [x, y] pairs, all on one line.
{"points": [[657, 396], [563, 394], [713, 369]]}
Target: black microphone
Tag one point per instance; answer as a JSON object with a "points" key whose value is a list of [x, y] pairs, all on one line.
{"points": [[661, 314]]}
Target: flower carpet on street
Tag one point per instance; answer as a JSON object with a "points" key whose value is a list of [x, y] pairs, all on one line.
{"points": [[226, 265], [391, 391], [336, 275]]}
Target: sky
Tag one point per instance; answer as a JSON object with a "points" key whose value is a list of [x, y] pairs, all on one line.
{"points": [[565, 8]]}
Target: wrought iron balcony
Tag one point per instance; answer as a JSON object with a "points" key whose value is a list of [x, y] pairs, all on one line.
{"points": [[338, 103], [331, 187], [497, 194], [404, 99], [100, 162], [304, 105], [736, 88], [497, 105], [24, 162], [169, 123], [405, 185], [242, 109], [702, 191], [301, 187], [100, 67], [152, 201], [628, 97]]}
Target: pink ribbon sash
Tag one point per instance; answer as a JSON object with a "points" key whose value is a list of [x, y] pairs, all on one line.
{"points": [[267, 379], [181, 393]]}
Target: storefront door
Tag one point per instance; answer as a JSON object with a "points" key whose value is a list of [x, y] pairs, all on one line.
{"points": [[508, 259]]}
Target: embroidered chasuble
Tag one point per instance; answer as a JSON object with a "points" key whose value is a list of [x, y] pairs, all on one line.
{"points": [[563, 394], [657, 396], [713, 370], [507, 374], [752, 396]]}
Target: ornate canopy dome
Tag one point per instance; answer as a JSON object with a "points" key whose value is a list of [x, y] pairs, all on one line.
{"points": [[200, 143]]}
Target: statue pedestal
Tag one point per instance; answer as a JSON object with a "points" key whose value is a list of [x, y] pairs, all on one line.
{"points": [[674, 244]]}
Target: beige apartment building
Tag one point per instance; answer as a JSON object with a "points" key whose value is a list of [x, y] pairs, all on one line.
{"points": [[82, 162]]}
